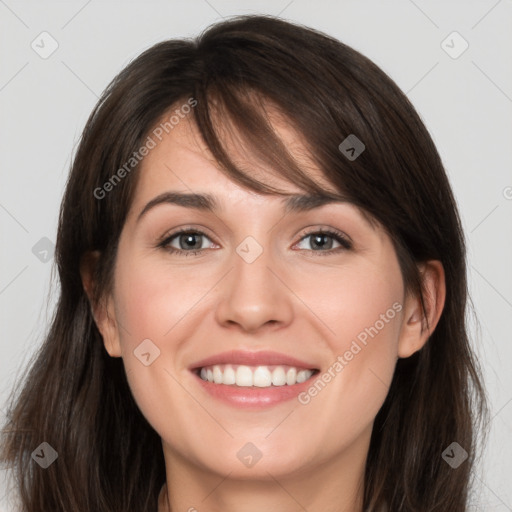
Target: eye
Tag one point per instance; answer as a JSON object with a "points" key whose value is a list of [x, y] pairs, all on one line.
{"points": [[318, 243], [190, 243]]}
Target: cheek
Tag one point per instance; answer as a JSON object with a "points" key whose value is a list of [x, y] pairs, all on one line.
{"points": [[357, 302], [362, 309], [150, 302], [152, 298]]}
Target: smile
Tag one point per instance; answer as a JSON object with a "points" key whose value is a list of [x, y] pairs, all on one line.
{"points": [[255, 376]]}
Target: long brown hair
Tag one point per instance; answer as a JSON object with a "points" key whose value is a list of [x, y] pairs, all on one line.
{"points": [[76, 397]]}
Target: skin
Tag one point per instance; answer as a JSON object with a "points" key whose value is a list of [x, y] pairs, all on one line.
{"points": [[291, 299]]}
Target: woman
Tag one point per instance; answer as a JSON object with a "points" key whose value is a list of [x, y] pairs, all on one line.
{"points": [[260, 368]]}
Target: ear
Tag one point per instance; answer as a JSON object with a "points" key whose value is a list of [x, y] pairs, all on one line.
{"points": [[102, 311], [416, 330]]}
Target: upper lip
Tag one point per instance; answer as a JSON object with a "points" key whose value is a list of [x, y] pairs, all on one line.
{"points": [[261, 358]]}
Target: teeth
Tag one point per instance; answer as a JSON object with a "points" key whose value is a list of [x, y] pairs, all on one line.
{"points": [[229, 376], [291, 376], [278, 376], [217, 375], [258, 376], [243, 376]]}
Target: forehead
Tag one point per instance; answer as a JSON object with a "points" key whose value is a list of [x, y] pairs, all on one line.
{"points": [[182, 161]]}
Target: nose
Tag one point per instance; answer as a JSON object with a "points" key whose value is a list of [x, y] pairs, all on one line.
{"points": [[255, 294]]}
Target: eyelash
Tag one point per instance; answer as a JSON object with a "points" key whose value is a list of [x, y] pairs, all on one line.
{"points": [[339, 237]]}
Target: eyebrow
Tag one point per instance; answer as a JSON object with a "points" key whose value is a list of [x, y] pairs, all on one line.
{"points": [[207, 202]]}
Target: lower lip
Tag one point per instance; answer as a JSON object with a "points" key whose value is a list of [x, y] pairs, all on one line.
{"points": [[254, 397]]}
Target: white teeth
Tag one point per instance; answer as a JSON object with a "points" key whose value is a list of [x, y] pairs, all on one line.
{"points": [[302, 376], [291, 376], [258, 376], [262, 377], [243, 376], [229, 376], [217, 375], [278, 376]]}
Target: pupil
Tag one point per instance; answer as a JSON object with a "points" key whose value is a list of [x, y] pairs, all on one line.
{"points": [[317, 237], [189, 240]]}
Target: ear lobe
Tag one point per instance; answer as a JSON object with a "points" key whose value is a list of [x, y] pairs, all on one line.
{"points": [[418, 324], [102, 310]]}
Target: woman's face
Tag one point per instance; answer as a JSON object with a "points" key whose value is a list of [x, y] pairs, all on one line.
{"points": [[264, 281]]}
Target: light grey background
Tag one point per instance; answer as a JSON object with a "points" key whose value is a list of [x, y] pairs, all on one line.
{"points": [[465, 102]]}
